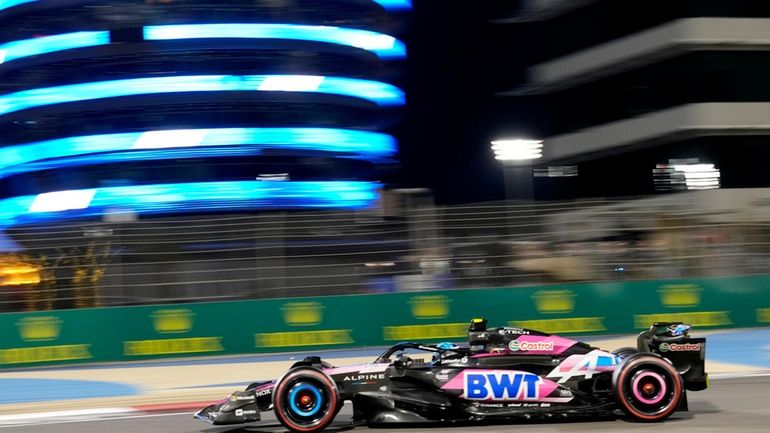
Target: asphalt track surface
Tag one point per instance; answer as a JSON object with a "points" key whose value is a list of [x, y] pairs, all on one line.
{"points": [[730, 405]]}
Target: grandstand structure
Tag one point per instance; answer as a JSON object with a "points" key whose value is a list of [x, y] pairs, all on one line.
{"points": [[117, 111]]}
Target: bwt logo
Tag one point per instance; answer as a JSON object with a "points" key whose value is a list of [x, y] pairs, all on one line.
{"points": [[501, 386]]}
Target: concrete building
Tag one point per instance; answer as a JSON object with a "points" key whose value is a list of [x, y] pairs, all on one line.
{"points": [[646, 96]]}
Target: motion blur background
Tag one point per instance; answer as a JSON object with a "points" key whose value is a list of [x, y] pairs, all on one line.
{"points": [[183, 151]]}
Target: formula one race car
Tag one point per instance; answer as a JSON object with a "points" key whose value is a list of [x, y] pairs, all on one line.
{"points": [[500, 374]]}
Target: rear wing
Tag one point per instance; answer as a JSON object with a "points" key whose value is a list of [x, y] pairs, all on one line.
{"points": [[672, 341]]}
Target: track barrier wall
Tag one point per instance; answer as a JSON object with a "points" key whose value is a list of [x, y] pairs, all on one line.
{"points": [[331, 322]]}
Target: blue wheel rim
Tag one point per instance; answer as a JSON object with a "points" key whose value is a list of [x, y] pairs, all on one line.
{"points": [[293, 401]]}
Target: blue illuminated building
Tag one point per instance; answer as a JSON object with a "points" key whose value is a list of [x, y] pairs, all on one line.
{"points": [[186, 197], [161, 109], [391, 5]]}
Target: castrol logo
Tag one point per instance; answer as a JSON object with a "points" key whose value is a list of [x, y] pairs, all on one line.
{"points": [[534, 346], [685, 347]]}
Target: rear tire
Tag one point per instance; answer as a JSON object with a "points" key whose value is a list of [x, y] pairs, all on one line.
{"points": [[306, 400], [647, 387]]}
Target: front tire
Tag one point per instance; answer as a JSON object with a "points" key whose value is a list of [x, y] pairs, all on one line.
{"points": [[306, 400], [647, 387]]}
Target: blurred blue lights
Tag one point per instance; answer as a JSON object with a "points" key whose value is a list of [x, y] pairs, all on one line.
{"points": [[187, 197], [5, 4], [212, 142], [182, 143], [390, 5], [380, 44], [373, 91], [49, 44], [395, 5], [384, 46]]}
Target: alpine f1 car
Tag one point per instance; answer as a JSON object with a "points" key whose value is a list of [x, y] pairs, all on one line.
{"points": [[501, 373]]}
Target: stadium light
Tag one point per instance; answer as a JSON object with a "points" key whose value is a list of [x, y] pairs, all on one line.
{"points": [[517, 155], [517, 149]]}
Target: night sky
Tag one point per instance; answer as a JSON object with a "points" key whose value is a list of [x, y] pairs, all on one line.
{"points": [[457, 61]]}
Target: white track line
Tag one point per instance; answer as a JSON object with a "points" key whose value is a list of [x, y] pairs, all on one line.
{"points": [[106, 411], [69, 421], [718, 376]]}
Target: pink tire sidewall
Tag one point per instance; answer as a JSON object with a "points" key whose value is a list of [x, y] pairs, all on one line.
{"points": [[630, 368], [661, 384], [315, 375]]}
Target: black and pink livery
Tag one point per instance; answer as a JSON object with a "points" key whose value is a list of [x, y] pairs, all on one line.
{"points": [[500, 373]]}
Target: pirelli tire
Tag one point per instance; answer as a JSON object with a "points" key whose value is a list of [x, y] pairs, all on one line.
{"points": [[647, 387], [306, 400]]}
